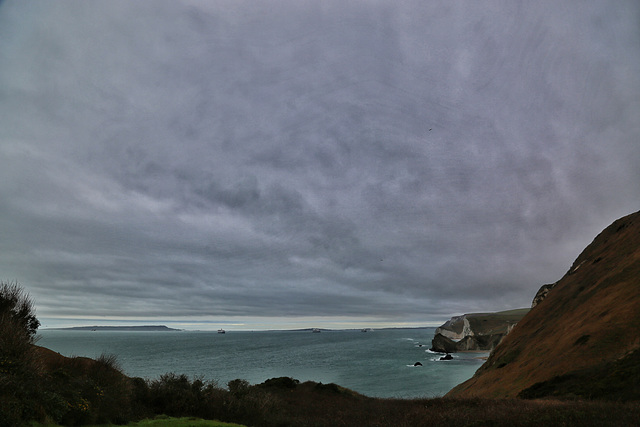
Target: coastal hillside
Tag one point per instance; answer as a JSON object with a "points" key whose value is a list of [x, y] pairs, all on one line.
{"points": [[475, 331], [583, 338]]}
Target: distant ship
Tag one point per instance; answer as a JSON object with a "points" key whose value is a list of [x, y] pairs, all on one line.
{"points": [[315, 330], [367, 329], [221, 331]]}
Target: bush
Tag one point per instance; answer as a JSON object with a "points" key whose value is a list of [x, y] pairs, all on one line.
{"points": [[16, 307], [177, 396], [238, 387], [94, 391]]}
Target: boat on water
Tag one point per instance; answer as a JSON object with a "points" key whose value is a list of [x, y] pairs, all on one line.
{"points": [[315, 330], [367, 329], [221, 331]]}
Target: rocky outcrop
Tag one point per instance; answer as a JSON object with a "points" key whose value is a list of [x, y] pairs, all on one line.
{"points": [[455, 328], [475, 332], [442, 344], [542, 293]]}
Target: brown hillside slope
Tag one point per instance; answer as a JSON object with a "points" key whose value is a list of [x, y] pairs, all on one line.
{"points": [[576, 337]]}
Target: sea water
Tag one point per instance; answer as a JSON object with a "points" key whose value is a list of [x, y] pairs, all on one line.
{"points": [[378, 363]]}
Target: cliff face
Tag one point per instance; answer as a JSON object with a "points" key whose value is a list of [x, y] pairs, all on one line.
{"points": [[476, 331], [583, 338], [542, 293]]}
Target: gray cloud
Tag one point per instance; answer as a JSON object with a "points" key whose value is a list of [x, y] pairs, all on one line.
{"points": [[293, 158]]}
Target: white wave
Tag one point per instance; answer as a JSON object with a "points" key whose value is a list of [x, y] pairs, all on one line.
{"points": [[438, 359]]}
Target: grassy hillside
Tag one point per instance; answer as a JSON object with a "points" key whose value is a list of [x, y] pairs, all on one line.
{"points": [[584, 335], [495, 323]]}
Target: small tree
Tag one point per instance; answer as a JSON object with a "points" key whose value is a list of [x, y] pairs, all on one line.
{"points": [[17, 308]]}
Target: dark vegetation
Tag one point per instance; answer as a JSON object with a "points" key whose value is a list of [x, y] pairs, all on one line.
{"points": [[614, 382], [39, 385]]}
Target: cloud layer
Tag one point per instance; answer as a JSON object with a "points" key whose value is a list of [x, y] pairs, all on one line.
{"points": [[365, 160]]}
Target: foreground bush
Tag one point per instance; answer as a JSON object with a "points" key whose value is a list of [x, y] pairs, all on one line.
{"points": [[177, 396], [92, 391]]}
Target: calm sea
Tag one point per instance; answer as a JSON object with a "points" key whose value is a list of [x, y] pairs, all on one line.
{"points": [[378, 363]]}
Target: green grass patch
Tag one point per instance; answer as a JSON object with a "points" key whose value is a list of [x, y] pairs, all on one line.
{"points": [[181, 422], [518, 312], [162, 421]]}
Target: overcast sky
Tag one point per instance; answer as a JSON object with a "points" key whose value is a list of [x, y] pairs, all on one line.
{"points": [[283, 163]]}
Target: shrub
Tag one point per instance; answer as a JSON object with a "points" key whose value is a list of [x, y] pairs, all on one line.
{"points": [[109, 391], [94, 391], [16, 307], [238, 386], [178, 396]]}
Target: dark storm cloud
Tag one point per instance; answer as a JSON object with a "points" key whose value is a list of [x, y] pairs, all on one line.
{"points": [[405, 160]]}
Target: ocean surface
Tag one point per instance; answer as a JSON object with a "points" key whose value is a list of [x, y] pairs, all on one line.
{"points": [[378, 363]]}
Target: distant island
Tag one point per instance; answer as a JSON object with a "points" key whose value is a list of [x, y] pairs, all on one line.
{"points": [[154, 328]]}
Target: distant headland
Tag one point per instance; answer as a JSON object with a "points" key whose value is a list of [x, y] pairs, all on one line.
{"points": [[154, 328]]}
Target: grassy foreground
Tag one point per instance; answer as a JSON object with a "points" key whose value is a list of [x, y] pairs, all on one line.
{"points": [[292, 410], [181, 422]]}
